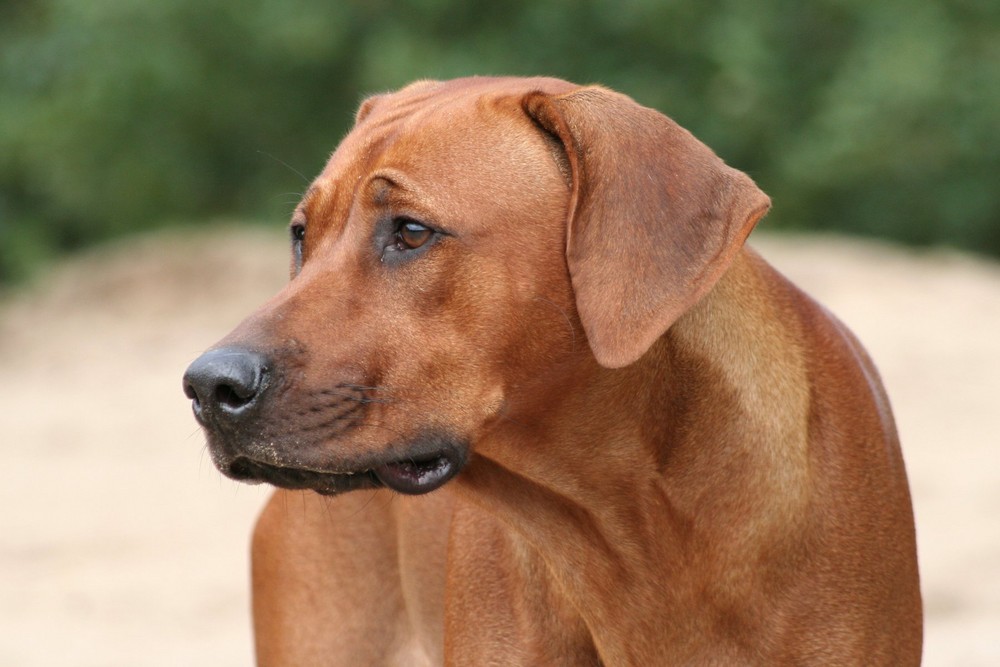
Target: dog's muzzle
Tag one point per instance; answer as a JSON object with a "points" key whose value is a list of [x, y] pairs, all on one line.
{"points": [[228, 391]]}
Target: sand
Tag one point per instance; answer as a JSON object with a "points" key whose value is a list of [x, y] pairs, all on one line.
{"points": [[121, 545]]}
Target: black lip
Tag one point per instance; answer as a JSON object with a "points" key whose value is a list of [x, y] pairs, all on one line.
{"points": [[327, 483], [419, 466], [416, 476]]}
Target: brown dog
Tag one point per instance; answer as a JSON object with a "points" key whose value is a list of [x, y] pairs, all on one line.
{"points": [[662, 453]]}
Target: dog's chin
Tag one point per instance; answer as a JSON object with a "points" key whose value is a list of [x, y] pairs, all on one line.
{"points": [[420, 466]]}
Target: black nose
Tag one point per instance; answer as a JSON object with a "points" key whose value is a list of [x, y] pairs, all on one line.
{"points": [[225, 382]]}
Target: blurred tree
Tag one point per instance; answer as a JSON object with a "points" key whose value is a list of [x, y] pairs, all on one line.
{"points": [[116, 115]]}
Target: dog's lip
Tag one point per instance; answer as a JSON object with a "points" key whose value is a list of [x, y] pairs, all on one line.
{"points": [[416, 476], [410, 475], [245, 469]]}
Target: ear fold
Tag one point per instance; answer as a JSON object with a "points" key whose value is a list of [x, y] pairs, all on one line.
{"points": [[655, 216], [366, 108]]}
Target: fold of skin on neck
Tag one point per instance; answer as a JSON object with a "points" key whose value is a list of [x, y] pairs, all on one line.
{"points": [[668, 486]]}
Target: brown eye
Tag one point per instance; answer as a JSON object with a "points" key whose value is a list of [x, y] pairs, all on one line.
{"points": [[411, 235]]}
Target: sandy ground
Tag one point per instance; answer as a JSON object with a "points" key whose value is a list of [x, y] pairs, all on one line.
{"points": [[121, 545]]}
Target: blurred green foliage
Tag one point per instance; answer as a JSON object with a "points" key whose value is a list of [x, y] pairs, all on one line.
{"points": [[880, 118]]}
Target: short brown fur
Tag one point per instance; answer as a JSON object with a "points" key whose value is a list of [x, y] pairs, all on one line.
{"points": [[676, 457]]}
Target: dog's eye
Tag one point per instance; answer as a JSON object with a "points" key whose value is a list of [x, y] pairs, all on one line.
{"points": [[410, 235], [298, 234], [402, 239]]}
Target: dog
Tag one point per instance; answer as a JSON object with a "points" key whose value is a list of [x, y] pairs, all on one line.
{"points": [[645, 446]]}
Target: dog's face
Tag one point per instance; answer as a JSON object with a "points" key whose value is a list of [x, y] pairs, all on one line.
{"points": [[429, 278], [468, 247]]}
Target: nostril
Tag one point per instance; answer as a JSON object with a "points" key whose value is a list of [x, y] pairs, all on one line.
{"points": [[224, 382], [232, 397]]}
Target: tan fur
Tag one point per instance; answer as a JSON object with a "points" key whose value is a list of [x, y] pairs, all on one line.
{"points": [[677, 458]]}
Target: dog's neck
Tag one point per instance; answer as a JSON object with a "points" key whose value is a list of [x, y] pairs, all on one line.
{"points": [[618, 507]]}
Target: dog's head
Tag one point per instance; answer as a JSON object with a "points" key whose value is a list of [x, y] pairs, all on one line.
{"points": [[470, 246]]}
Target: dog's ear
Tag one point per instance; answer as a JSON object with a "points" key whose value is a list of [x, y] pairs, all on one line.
{"points": [[655, 217], [366, 108]]}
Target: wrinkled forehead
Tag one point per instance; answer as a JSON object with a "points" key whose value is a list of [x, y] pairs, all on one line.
{"points": [[430, 126], [429, 96], [439, 112]]}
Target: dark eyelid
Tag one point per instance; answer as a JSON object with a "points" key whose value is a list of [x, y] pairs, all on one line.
{"points": [[403, 220], [395, 196], [403, 217]]}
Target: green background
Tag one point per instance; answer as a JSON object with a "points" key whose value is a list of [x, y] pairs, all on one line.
{"points": [[875, 118]]}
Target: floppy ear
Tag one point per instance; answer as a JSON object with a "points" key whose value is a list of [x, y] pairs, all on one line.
{"points": [[655, 217]]}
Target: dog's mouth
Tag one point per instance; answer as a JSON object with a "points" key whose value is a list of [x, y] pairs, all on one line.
{"points": [[414, 475], [243, 469]]}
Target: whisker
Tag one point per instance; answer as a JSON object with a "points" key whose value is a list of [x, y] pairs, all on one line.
{"points": [[367, 503], [326, 508], [360, 387], [282, 162], [352, 397]]}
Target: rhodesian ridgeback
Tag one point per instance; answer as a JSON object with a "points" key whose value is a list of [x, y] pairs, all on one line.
{"points": [[645, 446]]}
